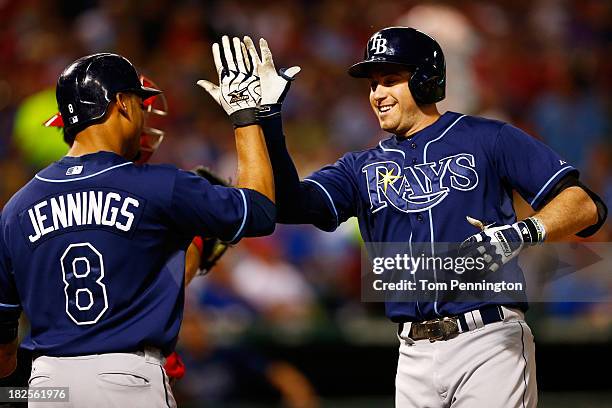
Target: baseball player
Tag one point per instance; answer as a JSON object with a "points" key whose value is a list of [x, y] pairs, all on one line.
{"points": [[93, 248], [203, 252], [418, 185]]}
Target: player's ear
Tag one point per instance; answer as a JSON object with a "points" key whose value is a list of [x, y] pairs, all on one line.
{"points": [[122, 101]]}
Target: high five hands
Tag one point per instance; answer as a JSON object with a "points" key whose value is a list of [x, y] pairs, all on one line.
{"points": [[248, 83]]}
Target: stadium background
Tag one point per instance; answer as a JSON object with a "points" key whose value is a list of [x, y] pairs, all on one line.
{"points": [[280, 319]]}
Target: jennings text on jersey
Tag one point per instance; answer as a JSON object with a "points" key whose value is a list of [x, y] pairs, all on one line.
{"points": [[80, 208]]}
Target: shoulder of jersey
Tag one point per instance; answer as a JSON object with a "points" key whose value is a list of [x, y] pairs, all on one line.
{"points": [[356, 155], [15, 202], [157, 167], [484, 122], [20, 198]]}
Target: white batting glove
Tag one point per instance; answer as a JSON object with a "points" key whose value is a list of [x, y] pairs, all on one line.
{"points": [[238, 91], [498, 245], [274, 85]]}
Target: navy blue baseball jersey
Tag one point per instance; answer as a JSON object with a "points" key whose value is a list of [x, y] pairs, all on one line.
{"points": [[420, 189], [93, 250]]}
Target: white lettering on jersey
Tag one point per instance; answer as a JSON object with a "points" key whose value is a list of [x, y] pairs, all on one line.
{"points": [[128, 215], [107, 208], [420, 187], [82, 208]]}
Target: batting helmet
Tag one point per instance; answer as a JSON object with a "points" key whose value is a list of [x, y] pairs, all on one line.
{"points": [[88, 85], [407, 47]]}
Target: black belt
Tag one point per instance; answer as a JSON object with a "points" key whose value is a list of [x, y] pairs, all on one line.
{"points": [[445, 328]]}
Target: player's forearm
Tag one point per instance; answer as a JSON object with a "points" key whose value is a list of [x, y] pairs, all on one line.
{"points": [[296, 202], [192, 262], [8, 358], [568, 213], [254, 168], [286, 179]]}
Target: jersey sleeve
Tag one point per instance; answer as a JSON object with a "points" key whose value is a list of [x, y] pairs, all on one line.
{"points": [[336, 183], [200, 208], [528, 165], [10, 306]]}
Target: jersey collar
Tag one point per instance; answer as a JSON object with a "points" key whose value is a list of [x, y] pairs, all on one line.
{"points": [[430, 132], [73, 168]]}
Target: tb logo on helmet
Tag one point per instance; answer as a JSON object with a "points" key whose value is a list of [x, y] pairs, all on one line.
{"points": [[379, 44]]}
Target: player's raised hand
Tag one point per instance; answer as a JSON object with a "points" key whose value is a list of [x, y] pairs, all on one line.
{"points": [[238, 91], [274, 85]]}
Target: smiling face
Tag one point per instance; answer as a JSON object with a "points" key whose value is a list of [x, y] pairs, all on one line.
{"points": [[392, 102]]}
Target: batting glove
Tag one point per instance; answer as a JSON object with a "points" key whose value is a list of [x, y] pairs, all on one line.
{"points": [[238, 91], [274, 85], [498, 245]]}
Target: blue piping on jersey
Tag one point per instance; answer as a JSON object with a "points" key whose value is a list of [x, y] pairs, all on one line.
{"points": [[391, 150], [81, 178], [7, 305], [244, 201], [431, 230], [414, 274], [330, 199], [547, 183]]}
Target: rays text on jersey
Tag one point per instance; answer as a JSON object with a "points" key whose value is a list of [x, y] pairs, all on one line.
{"points": [[105, 208], [421, 186]]}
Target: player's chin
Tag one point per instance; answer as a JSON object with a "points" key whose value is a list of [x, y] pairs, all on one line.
{"points": [[387, 125]]}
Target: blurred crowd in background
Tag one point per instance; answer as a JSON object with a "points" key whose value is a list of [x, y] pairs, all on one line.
{"points": [[542, 65]]}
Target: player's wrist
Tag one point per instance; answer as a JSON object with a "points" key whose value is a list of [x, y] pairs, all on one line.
{"points": [[244, 117], [532, 231]]}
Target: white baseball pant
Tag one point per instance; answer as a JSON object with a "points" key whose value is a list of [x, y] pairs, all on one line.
{"points": [[492, 366], [119, 380]]}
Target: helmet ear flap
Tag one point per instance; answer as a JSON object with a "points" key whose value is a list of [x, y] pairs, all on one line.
{"points": [[426, 87]]}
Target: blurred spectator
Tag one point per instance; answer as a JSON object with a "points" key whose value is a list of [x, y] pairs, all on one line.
{"points": [[216, 374], [274, 287], [570, 115]]}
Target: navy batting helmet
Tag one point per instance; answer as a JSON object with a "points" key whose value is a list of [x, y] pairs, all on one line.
{"points": [[88, 85], [407, 47]]}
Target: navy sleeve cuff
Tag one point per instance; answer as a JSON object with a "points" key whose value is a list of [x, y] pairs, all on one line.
{"points": [[260, 216], [539, 198]]}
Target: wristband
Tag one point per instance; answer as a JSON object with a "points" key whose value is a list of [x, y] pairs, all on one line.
{"points": [[244, 117], [269, 111], [532, 230]]}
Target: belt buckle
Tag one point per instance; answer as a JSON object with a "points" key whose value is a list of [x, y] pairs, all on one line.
{"points": [[441, 329], [433, 330]]}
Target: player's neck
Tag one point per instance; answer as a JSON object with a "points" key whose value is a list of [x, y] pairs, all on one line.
{"points": [[425, 116], [95, 139]]}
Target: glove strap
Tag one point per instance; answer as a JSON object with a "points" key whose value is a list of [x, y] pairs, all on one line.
{"points": [[269, 111], [244, 117], [532, 230]]}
